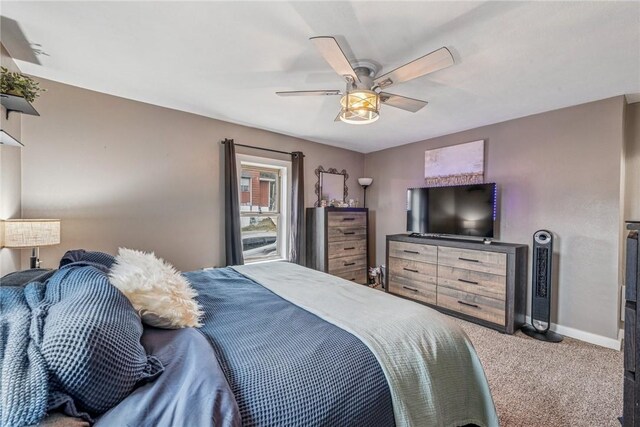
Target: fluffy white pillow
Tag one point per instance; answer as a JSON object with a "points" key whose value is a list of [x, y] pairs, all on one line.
{"points": [[162, 296]]}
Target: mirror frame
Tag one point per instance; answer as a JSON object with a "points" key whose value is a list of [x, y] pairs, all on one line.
{"points": [[334, 171]]}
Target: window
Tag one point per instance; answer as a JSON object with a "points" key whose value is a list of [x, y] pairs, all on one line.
{"points": [[245, 184], [263, 219]]}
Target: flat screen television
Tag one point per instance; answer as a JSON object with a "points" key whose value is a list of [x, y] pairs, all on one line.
{"points": [[462, 210]]}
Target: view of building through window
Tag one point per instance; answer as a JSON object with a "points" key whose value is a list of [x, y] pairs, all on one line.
{"points": [[260, 200]]}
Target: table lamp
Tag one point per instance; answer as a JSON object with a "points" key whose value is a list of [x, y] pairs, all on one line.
{"points": [[30, 233]]}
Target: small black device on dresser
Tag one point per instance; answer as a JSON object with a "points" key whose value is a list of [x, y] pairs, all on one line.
{"points": [[337, 242], [485, 284], [631, 402]]}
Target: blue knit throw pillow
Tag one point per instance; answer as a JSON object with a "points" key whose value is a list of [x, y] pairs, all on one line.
{"points": [[91, 342], [99, 260]]}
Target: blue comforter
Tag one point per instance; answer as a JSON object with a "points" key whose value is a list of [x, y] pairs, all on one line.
{"points": [[259, 360], [192, 390], [70, 344], [284, 365], [24, 386]]}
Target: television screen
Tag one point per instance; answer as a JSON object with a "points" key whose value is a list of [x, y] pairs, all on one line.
{"points": [[466, 210]]}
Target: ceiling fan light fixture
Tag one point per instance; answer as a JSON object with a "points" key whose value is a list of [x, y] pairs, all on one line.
{"points": [[360, 107]]}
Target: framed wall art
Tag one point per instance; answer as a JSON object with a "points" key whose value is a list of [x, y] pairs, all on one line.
{"points": [[455, 165]]}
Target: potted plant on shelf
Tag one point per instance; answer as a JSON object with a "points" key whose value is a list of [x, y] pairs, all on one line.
{"points": [[12, 83]]}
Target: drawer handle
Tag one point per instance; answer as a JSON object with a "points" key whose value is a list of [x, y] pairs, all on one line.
{"points": [[466, 303], [348, 219], [468, 281], [468, 259], [346, 233], [349, 263], [411, 289], [412, 252], [410, 269], [349, 249]]}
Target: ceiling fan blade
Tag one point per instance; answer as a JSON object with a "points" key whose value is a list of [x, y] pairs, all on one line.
{"points": [[337, 119], [309, 93], [333, 54], [434, 61], [402, 102]]}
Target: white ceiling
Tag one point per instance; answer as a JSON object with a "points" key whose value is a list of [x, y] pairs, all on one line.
{"points": [[226, 59]]}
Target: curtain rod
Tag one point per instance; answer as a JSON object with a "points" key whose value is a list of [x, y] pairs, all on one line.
{"points": [[261, 148]]}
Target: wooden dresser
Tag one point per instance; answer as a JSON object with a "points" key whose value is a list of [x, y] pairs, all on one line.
{"points": [[482, 283], [337, 240], [631, 405]]}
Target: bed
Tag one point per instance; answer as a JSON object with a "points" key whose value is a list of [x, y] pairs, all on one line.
{"points": [[285, 345]]}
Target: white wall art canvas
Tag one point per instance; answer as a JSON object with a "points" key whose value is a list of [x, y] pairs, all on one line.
{"points": [[455, 165]]}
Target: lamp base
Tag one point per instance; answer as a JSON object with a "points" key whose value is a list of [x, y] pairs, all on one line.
{"points": [[34, 261], [364, 188]]}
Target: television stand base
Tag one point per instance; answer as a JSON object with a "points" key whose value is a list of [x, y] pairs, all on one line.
{"points": [[425, 235], [485, 240]]}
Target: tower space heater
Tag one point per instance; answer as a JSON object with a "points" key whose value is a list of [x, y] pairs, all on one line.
{"points": [[541, 289]]}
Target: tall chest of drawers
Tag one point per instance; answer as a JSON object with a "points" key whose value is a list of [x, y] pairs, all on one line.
{"points": [[631, 405], [337, 240], [482, 283]]}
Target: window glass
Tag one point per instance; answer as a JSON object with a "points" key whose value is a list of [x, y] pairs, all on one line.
{"points": [[260, 219], [245, 184]]}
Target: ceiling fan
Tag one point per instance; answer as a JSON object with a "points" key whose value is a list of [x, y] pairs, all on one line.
{"points": [[360, 102]]}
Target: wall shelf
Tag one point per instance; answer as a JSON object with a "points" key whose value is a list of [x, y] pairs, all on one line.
{"points": [[17, 104], [7, 139]]}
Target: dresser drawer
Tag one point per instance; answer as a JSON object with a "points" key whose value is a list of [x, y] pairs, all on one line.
{"points": [[469, 259], [341, 265], [356, 276], [347, 248], [340, 234], [347, 219], [475, 282], [419, 291], [413, 270], [489, 309], [413, 251]]}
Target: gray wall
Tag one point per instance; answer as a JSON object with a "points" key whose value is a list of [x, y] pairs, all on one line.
{"points": [[10, 175], [124, 173], [559, 170]]}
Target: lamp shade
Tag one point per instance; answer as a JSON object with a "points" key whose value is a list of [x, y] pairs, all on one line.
{"points": [[365, 182], [29, 233]]}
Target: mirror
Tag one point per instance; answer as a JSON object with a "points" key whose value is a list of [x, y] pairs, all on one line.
{"points": [[331, 185]]}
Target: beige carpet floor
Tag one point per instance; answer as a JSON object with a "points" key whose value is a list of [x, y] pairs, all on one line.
{"points": [[547, 385]]}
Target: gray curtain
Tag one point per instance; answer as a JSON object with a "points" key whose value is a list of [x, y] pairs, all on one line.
{"points": [[296, 242], [232, 236]]}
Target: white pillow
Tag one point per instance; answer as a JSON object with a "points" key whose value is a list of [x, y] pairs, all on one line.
{"points": [[162, 296]]}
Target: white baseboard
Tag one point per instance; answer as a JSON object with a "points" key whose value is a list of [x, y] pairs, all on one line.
{"points": [[612, 343]]}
